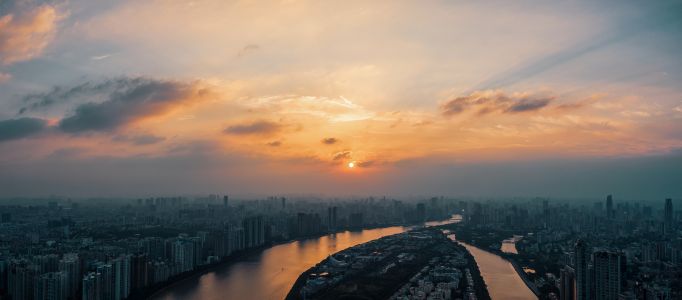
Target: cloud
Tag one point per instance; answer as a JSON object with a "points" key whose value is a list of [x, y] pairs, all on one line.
{"points": [[485, 102], [101, 57], [248, 49], [89, 91], [20, 128], [140, 140], [329, 141], [254, 128], [342, 155], [25, 33], [274, 144], [528, 105], [128, 101], [365, 164]]}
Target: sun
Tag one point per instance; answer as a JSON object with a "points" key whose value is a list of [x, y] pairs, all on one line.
{"points": [[351, 164]]}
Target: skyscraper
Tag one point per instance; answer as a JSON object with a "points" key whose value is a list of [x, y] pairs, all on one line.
{"points": [[607, 274], [70, 265], [121, 267], [567, 287], [610, 214], [582, 291], [668, 217], [225, 201]]}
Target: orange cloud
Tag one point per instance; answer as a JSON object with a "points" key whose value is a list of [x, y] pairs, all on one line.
{"points": [[484, 102], [26, 35]]}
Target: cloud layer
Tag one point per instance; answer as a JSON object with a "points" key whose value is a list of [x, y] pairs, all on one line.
{"points": [[24, 34], [254, 128], [20, 128], [486, 102], [131, 101]]}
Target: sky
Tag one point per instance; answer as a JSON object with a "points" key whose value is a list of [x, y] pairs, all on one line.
{"points": [[456, 98]]}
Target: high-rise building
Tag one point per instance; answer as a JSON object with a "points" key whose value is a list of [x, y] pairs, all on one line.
{"points": [[107, 278], [331, 218], [92, 286], [21, 279], [121, 267], [421, 212], [254, 231], [225, 201], [608, 274], [183, 255], [138, 271], [610, 214], [567, 280], [70, 265], [51, 286], [582, 288], [668, 217]]}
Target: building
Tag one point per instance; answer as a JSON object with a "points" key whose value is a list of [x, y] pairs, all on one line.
{"points": [[582, 286], [610, 213], [332, 218], [567, 283], [184, 255], [138, 271], [70, 264], [608, 274], [254, 231], [121, 266], [107, 280], [21, 279], [668, 226], [51, 286], [92, 286]]}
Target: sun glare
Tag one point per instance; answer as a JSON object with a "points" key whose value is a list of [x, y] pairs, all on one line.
{"points": [[351, 164]]}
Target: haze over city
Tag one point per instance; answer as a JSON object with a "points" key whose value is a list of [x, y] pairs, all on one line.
{"points": [[480, 99]]}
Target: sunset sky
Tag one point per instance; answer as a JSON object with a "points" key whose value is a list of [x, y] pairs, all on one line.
{"points": [[461, 98]]}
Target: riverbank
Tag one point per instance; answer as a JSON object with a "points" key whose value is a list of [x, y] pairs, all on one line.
{"points": [[489, 243], [409, 256], [163, 290]]}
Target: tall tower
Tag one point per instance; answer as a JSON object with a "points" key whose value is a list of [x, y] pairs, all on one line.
{"points": [[609, 207], [225, 200], [582, 291], [668, 217]]}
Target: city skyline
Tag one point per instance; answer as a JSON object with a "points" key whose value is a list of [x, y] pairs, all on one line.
{"points": [[485, 99]]}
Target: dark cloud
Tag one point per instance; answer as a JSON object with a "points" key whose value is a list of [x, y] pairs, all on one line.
{"points": [[365, 164], [528, 105], [488, 102], [274, 144], [130, 100], [329, 141], [342, 155], [255, 128], [140, 140], [85, 92], [20, 128]]}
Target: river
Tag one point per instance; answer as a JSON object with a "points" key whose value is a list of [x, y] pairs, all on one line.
{"points": [[270, 274], [499, 275]]}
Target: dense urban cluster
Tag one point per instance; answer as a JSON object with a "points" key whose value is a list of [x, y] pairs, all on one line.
{"points": [[112, 249], [414, 265], [607, 249]]}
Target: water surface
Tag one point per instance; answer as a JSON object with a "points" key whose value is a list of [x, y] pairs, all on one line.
{"points": [[499, 275], [271, 274]]}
